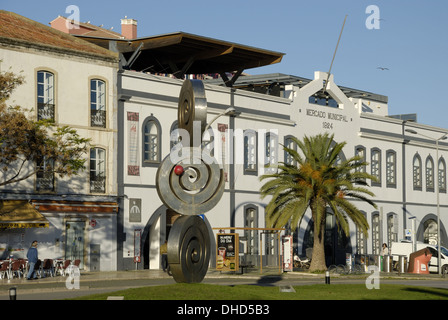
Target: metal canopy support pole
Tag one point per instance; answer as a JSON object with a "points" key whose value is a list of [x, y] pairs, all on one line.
{"points": [[134, 57], [230, 82], [179, 74]]}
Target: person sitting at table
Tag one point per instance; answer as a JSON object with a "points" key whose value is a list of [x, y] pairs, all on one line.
{"points": [[32, 256]]}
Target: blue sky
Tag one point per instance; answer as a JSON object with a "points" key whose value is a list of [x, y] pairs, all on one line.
{"points": [[411, 41]]}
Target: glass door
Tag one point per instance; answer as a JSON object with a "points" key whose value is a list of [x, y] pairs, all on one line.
{"points": [[74, 245]]}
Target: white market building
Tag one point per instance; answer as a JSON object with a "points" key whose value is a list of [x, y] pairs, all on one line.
{"points": [[145, 106]]}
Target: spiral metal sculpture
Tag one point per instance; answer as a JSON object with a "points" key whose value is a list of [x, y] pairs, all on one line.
{"points": [[191, 184]]}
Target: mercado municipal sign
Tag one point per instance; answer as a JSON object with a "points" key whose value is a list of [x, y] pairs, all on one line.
{"points": [[326, 115]]}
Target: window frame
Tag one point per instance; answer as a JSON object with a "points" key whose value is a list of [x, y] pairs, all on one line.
{"points": [[376, 233], [49, 103], [441, 176], [391, 169], [251, 235], [429, 174], [99, 174], [98, 114], [290, 144], [417, 185], [375, 163], [149, 162], [253, 169], [42, 175], [361, 240], [271, 153]]}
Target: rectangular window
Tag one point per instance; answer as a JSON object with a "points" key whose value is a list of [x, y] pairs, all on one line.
{"points": [[271, 150], [391, 169], [417, 173], [251, 236], [97, 103], [376, 246], [45, 96], [151, 142], [375, 165], [97, 170], [442, 176], [290, 144], [45, 176], [361, 246], [250, 152], [392, 229], [429, 174]]}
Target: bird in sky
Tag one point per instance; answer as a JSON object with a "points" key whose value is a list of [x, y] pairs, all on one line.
{"points": [[383, 68]]}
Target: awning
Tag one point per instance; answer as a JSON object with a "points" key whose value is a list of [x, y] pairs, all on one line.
{"points": [[15, 214]]}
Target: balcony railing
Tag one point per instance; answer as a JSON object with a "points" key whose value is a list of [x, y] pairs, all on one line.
{"points": [[45, 111], [98, 118], [44, 181], [97, 183]]}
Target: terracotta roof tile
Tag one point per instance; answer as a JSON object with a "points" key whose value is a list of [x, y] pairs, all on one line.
{"points": [[16, 27]]}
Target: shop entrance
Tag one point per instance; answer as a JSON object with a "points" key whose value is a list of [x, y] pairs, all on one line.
{"points": [[75, 241]]}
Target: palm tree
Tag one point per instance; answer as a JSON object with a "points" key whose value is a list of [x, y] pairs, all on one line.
{"points": [[319, 180]]}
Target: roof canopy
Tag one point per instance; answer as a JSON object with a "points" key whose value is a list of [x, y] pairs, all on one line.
{"points": [[180, 53], [16, 214]]}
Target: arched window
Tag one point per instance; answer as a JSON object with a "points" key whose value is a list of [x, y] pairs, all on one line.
{"points": [[375, 165], [97, 103], [429, 174], [376, 245], [391, 169], [290, 144], [174, 134], [442, 175], [250, 152], [251, 221], [417, 172], [360, 151], [45, 175], [98, 170], [271, 150], [392, 228], [361, 240], [430, 232], [151, 142], [45, 95]]}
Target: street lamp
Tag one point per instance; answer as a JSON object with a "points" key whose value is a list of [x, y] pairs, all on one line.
{"points": [[231, 111], [439, 244]]}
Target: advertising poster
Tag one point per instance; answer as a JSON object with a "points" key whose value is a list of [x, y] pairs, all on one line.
{"points": [[287, 253], [133, 162], [227, 251], [137, 245]]}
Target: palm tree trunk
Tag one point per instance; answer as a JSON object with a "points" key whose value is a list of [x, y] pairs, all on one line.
{"points": [[318, 258]]}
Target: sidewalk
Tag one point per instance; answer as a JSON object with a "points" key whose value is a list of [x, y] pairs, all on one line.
{"points": [[138, 278], [127, 278]]}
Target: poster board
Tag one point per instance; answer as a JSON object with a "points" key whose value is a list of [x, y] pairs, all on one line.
{"points": [[137, 245], [287, 253], [227, 251]]}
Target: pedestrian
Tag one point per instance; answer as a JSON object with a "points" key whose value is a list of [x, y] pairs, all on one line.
{"points": [[385, 250], [164, 253], [32, 260]]}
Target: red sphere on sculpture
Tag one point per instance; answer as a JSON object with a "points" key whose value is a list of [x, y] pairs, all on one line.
{"points": [[178, 170]]}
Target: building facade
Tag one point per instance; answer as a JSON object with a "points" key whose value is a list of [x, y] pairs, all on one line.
{"points": [[69, 82], [404, 163], [122, 100]]}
